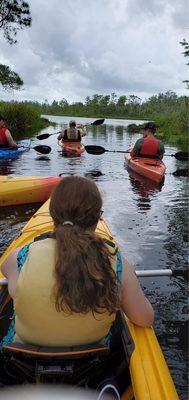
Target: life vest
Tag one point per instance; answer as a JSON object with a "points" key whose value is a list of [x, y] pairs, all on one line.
{"points": [[37, 321], [72, 135], [3, 138], [150, 146]]}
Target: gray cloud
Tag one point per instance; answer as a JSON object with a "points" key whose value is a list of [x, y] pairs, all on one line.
{"points": [[78, 47]]}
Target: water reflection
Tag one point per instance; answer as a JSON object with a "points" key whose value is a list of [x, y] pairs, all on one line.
{"points": [[7, 166], [145, 188], [97, 131], [93, 174], [43, 158], [119, 131]]}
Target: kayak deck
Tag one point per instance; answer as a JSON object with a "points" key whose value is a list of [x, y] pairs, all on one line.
{"points": [[148, 167], [24, 190], [8, 153], [150, 376], [76, 148]]}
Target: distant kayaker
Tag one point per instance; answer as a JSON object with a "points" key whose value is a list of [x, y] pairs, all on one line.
{"points": [[148, 145], [73, 133], [6, 139], [72, 283]]}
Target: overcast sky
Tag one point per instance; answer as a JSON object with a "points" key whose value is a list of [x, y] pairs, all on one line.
{"points": [[76, 48]]}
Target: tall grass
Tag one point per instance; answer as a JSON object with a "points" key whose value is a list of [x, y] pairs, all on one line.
{"points": [[21, 119], [175, 127]]}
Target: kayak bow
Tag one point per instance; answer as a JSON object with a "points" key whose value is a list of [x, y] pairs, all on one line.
{"points": [[11, 153], [72, 148], [148, 167], [24, 190]]}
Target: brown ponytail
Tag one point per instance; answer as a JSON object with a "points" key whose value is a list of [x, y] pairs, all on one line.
{"points": [[85, 280]]}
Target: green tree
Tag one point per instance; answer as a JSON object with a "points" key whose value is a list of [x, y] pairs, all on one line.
{"points": [[63, 103], [121, 101], [14, 15], [9, 79], [185, 44]]}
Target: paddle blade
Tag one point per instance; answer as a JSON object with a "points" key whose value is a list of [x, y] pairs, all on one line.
{"points": [[181, 172], [182, 273], [42, 149], [96, 150], [43, 136], [98, 122], [181, 156]]}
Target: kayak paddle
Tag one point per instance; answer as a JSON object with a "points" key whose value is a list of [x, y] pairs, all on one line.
{"points": [[145, 273], [42, 149], [97, 150], [163, 272], [47, 135]]}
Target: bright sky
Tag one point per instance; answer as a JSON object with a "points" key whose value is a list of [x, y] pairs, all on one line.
{"points": [[76, 48]]}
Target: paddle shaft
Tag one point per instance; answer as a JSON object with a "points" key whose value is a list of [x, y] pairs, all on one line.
{"points": [[141, 274], [158, 272], [98, 150]]}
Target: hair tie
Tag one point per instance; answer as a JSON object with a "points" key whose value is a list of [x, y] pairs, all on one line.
{"points": [[68, 223]]}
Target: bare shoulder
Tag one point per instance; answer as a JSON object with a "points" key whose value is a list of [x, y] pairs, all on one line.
{"points": [[10, 263]]}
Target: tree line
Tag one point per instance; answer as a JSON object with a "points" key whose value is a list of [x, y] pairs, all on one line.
{"points": [[130, 107]]}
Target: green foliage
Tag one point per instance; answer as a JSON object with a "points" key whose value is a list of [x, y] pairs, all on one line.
{"points": [[168, 110], [174, 126], [22, 120], [9, 79], [185, 44], [14, 15]]}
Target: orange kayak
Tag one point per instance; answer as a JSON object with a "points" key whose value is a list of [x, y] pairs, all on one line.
{"points": [[72, 148], [28, 189], [148, 167]]}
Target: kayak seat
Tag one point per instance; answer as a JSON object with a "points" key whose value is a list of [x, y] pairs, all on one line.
{"points": [[84, 366], [41, 352], [147, 156], [36, 364]]}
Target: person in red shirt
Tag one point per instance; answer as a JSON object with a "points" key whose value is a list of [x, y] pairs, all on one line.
{"points": [[149, 145], [6, 139]]}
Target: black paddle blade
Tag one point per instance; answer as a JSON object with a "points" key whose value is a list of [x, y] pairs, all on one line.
{"points": [[42, 149], [181, 172], [43, 136], [97, 150], [98, 122], [181, 156], [182, 273]]}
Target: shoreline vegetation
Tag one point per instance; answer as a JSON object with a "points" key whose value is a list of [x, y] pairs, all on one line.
{"points": [[168, 111], [22, 120]]}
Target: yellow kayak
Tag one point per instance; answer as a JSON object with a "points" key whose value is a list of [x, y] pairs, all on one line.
{"points": [[28, 189], [150, 376]]}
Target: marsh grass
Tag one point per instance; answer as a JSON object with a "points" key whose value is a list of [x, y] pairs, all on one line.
{"points": [[22, 120]]}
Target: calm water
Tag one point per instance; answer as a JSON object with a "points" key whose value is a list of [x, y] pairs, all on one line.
{"points": [[148, 221]]}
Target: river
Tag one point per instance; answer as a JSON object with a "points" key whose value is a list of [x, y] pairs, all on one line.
{"points": [[148, 221]]}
